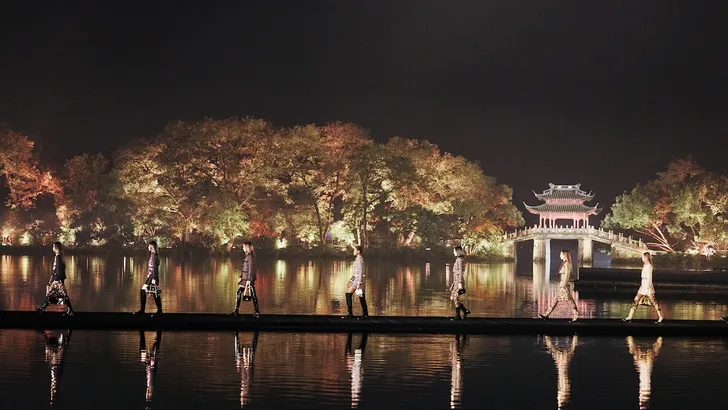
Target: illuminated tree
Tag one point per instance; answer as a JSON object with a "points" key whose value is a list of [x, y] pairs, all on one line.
{"points": [[683, 207], [21, 173]]}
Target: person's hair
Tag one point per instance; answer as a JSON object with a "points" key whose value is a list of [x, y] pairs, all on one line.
{"points": [[568, 255], [59, 246], [358, 248], [250, 247], [459, 251], [155, 246], [649, 257]]}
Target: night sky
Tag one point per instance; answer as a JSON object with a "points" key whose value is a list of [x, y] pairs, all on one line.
{"points": [[602, 93]]}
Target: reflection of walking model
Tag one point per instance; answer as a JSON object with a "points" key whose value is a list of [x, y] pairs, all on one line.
{"points": [[244, 358], [562, 356], [56, 292], [457, 287], [644, 360], [246, 284], [565, 291], [151, 284], [55, 350], [354, 364], [646, 293], [357, 285], [456, 377], [151, 361]]}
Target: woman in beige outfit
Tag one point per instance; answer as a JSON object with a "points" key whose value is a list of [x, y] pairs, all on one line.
{"points": [[565, 291]]}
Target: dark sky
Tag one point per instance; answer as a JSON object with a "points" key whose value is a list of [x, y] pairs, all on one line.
{"points": [[602, 93]]}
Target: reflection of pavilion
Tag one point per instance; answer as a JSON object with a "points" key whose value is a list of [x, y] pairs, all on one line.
{"points": [[151, 361], [644, 355], [456, 378], [244, 359], [354, 364], [56, 344], [562, 353]]}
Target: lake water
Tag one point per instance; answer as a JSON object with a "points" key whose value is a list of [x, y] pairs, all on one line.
{"points": [[111, 283], [111, 370]]}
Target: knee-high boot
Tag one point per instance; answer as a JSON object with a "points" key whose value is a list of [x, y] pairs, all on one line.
{"points": [[42, 307], [158, 302], [349, 307], [238, 297], [364, 310], [143, 300], [69, 308], [255, 301]]}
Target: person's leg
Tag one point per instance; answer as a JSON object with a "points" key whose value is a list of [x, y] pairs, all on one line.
{"points": [[349, 305], [657, 308], [574, 308], [255, 299], [158, 302], [633, 309], [364, 309], [551, 309], [238, 297]]}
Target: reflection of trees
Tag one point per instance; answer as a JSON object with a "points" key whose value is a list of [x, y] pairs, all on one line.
{"points": [[56, 344], [644, 355], [562, 352], [456, 379], [244, 363]]}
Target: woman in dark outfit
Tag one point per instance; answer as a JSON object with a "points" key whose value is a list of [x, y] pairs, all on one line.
{"points": [[151, 284], [56, 290], [247, 278]]}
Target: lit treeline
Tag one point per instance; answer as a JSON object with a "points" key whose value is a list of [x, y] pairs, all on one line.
{"points": [[213, 182]]}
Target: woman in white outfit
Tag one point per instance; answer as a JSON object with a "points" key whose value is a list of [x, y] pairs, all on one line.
{"points": [[565, 291], [646, 292]]}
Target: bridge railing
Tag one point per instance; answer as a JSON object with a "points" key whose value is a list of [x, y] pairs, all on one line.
{"points": [[590, 230]]}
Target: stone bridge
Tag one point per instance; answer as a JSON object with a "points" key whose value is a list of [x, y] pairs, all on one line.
{"points": [[622, 246]]}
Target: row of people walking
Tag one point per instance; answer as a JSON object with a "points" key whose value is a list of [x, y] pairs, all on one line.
{"points": [[56, 290]]}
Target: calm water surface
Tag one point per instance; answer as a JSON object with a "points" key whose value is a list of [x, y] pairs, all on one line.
{"points": [[111, 283], [113, 370]]}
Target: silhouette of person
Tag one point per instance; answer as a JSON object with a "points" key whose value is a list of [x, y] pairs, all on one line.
{"points": [[646, 292], [244, 361], [151, 284], [456, 377], [562, 352], [56, 344], [354, 364], [644, 355], [565, 290], [247, 280], [56, 289], [150, 358], [357, 285]]}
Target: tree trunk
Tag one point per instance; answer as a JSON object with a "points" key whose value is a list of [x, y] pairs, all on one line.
{"points": [[365, 241]]}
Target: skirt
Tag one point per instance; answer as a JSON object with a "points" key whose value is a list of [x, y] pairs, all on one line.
{"points": [[564, 294], [56, 293]]}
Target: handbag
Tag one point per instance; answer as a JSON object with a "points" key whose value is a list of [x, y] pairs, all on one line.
{"points": [[247, 292], [153, 290]]}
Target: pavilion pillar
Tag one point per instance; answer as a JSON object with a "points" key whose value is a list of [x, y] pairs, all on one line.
{"points": [[541, 249], [586, 251]]}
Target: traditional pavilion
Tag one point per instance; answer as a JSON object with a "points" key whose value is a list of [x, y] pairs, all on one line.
{"points": [[564, 202]]}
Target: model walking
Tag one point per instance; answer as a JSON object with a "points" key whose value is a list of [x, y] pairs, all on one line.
{"points": [[646, 293], [357, 285], [56, 289], [565, 291], [246, 284], [457, 287], [151, 284]]}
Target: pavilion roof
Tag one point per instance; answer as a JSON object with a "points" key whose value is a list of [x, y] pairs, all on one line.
{"points": [[572, 191], [564, 209]]}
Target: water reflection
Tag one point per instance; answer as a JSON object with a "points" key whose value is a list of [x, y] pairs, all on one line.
{"points": [[645, 354], [150, 357], [354, 365], [244, 363], [56, 344], [456, 376], [111, 283], [562, 351]]}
